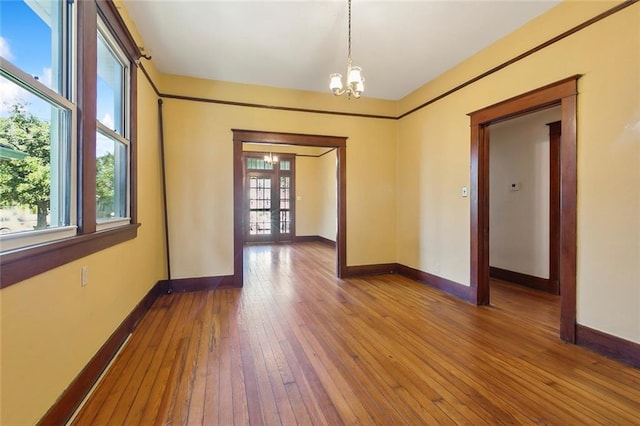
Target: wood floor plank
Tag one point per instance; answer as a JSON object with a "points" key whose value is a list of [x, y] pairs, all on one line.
{"points": [[197, 402], [114, 384], [298, 346], [156, 383]]}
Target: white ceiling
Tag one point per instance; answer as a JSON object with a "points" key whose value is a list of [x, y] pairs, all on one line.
{"points": [[399, 44]]}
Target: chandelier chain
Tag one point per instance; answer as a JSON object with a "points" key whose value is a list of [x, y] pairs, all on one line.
{"points": [[349, 29], [354, 80]]}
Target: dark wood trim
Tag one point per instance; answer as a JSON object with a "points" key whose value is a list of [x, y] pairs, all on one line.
{"points": [[529, 52], [275, 107], [299, 139], [554, 205], [314, 238], [238, 216], [117, 26], [608, 345], [568, 218], [375, 269], [542, 284], [18, 265], [563, 93], [341, 237], [87, 110], [62, 410], [163, 177], [256, 136], [184, 285], [148, 77], [533, 100], [455, 289]]}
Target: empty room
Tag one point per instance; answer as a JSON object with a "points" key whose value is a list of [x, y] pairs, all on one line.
{"points": [[319, 212]]}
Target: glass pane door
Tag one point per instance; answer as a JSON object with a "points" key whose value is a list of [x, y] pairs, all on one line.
{"points": [[269, 205], [260, 215], [285, 208]]}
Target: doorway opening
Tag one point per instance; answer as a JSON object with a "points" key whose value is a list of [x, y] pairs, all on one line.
{"points": [[241, 137], [524, 200], [564, 94]]}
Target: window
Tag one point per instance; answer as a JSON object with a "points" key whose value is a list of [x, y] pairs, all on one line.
{"points": [[67, 133], [36, 118], [112, 144]]}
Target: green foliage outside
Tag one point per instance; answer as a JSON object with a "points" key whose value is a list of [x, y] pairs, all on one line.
{"points": [[27, 181], [105, 181]]}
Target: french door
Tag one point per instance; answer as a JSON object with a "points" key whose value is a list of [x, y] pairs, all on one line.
{"points": [[268, 215]]}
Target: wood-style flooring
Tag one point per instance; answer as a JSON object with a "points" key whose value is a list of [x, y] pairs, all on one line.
{"points": [[298, 346]]}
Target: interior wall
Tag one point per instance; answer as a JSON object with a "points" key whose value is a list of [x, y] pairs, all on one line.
{"points": [[328, 206], [519, 216], [51, 325], [200, 174], [434, 151], [307, 197]]}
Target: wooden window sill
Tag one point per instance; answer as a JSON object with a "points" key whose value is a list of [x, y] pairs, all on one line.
{"points": [[20, 264]]}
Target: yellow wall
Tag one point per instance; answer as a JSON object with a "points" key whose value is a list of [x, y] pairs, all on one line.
{"points": [[51, 326], [307, 196], [200, 174], [328, 193], [433, 151]]}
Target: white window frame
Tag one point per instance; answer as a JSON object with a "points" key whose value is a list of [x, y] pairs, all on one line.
{"points": [[118, 52], [66, 100]]}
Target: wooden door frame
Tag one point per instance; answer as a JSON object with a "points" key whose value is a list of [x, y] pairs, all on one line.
{"points": [[277, 138], [555, 133], [563, 93]]}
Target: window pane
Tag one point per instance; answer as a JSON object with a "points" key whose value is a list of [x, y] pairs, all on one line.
{"points": [[111, 178], [35, 166], [110, 101], [31, 38], [258, 164]]}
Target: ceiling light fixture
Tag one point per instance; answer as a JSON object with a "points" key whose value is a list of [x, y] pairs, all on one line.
{"points": [[355, 80], [270, 158]]}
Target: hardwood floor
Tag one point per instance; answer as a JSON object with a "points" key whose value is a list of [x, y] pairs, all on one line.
{"points": [[298, 346]]}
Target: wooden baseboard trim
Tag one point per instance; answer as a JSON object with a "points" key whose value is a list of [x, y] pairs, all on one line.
{"points": [[375, 269], [453, 288], [314, 238], [610, 346], [62, 410], [183, 285], [537, 283]]}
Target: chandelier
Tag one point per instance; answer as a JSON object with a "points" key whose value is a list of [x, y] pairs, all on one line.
{"points": [[355, 81], [270, 158]]}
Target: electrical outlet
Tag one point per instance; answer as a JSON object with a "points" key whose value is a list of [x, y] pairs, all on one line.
{"points": [[84, 276]]}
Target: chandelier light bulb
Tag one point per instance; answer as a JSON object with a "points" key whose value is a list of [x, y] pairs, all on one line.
{"points": [[355, 76], [335, 83]]}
